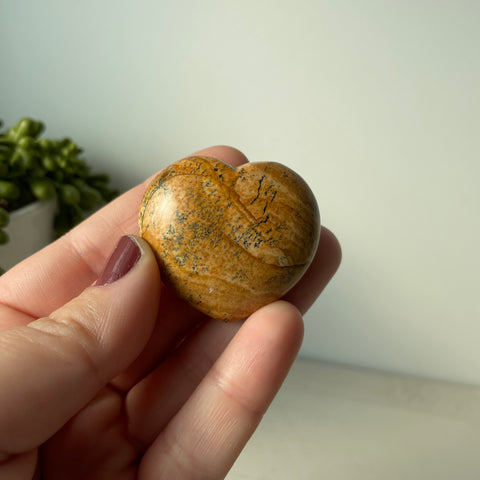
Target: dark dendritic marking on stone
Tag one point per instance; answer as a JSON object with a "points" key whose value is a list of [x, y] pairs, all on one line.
{"points": [[180, 260], [239, 275], [270, 200], [260, 181]]}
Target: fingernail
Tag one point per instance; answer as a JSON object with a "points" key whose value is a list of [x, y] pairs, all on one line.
{"points": [[121, 261]]}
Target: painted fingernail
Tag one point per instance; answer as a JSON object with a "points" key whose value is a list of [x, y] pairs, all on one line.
{"points": [[121, 261]]}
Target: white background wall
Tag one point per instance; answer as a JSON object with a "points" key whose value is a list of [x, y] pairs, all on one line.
{"points": [[375, 102]]}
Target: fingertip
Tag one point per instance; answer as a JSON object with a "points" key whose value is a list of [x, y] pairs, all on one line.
{"points": [[225, 153], [282, 322], [322, 269], [331, 250]]}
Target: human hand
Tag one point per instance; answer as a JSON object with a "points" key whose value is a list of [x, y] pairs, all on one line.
{"points": [[123, 380]]}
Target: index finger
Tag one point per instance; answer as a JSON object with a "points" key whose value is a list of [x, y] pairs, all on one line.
{"points": [[59, 272]]}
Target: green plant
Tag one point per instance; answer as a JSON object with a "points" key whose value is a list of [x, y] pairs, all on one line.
{"points": [[36, 168]]}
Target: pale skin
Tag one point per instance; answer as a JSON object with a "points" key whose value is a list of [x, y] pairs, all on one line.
{"points": [[125, 381]]}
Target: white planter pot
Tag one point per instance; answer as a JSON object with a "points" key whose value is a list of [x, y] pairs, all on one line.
{"points": [[30, 229]]}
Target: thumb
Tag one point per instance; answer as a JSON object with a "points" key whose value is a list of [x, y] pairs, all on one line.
{"points": [[52, 367]]}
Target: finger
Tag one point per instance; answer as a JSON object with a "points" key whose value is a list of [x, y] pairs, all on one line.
{"points": [[206, 436], [51, 368], [322, 269], [174, 320], [48, 283], [173, 381]]}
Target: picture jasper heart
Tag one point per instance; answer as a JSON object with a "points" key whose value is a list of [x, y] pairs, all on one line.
{"points": [[229, 241]]}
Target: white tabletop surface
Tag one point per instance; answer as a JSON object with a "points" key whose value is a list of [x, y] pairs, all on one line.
{"points": [[339, 423]]}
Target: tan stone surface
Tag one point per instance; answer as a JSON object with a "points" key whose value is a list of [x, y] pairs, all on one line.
{"points": [[230, 240]]}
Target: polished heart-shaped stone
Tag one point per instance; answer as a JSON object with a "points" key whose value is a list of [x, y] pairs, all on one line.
{"points": [[229, 241]]}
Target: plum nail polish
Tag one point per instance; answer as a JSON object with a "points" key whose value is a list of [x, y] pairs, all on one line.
{"points": [[125, 255]]}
